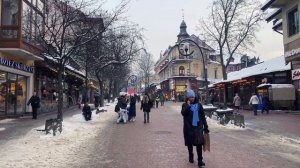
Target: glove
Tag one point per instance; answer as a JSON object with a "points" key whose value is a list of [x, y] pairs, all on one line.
{"points": [[206, 131]]}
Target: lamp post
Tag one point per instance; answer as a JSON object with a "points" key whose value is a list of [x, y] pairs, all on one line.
{"points": [[186, 54], [131, 82]]}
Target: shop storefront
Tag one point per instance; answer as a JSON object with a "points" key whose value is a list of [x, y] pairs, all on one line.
{"points": [[16, 84]]}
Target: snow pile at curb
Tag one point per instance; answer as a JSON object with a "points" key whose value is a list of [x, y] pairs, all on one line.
{"points": [[213, 122], [36, 149]]}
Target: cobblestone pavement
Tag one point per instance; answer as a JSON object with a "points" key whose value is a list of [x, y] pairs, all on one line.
{"points": [[268, 141], [159, 144]]}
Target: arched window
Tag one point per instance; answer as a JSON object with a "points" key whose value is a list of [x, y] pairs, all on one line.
{"points": [[181, 71]]}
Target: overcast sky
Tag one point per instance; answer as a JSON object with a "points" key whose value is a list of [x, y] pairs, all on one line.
{"points": [[161, 20]]}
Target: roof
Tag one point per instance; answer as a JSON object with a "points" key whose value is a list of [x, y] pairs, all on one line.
{"points": [[272, 65], [267, 4], [276, 85]]}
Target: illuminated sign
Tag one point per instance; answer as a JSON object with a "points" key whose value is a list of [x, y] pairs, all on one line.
{"points": [[16, 65]]}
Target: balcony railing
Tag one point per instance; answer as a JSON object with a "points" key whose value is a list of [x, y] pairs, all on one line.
{"points": [[184, 75]]}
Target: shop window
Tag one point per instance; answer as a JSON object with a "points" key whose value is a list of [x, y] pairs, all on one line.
{"points": [[10, 10], [3, 92], [293, 22]]}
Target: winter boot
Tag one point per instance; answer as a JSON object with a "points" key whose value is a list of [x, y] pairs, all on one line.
{"points": [[201, 163], [191, 158]]}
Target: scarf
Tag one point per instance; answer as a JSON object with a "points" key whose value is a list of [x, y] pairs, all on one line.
{"points": [[195, 110]]}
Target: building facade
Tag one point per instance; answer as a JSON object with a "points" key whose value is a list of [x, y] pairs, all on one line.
{"points": [[23, 67], [285, 17], [177, 72]]}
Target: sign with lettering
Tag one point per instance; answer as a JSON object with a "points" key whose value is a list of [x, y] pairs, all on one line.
{"points": [[296, 74], [292, 53], [16, 65]]}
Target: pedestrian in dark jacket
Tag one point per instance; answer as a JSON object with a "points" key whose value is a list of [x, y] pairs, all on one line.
{"points": [[266, 103], [194, 124], [87, 112], [35, 104], [146, 107], [122, 104], [132, 108]]}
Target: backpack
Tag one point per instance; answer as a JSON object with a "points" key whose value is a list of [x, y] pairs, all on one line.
{"points": [[117, 108]]}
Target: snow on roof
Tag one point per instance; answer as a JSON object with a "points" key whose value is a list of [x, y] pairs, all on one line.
{"points": [[272, 65], [277, 85], [214, 62], [68, 66]]}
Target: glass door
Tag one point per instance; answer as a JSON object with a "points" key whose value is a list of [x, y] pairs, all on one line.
{"points": [[11, 93], [21, 94], [3, 87]]}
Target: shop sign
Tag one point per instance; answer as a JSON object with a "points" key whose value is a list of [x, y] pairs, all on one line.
{"points": [[292, 52], [180, 88], [16, 65], [296, 74]]}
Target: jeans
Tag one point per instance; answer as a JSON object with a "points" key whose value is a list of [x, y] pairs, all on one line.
{"points": [[254, 107], [146, 117]]}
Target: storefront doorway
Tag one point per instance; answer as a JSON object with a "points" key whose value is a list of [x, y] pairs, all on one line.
{"points": [[12, 93]]}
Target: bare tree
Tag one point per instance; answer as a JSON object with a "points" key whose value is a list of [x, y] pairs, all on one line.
{"points": [[117, 47], [61, 33], [145, 64], [231, 26]]}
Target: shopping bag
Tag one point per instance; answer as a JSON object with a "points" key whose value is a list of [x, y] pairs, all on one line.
{"points": [[206, 146]]}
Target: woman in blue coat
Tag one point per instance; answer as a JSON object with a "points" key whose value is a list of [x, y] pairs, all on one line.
{"points": [[194, 124]]}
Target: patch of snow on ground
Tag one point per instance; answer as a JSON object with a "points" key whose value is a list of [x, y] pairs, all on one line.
{"points": [[215, 123], [36, 149], [5, 121], [2, 129]]}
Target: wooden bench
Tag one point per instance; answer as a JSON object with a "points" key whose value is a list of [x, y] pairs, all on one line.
{"points": [[238, 120], [224, 115], [209, 110]]}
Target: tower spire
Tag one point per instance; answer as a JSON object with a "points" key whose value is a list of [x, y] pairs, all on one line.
{"points": [[182, 13]]}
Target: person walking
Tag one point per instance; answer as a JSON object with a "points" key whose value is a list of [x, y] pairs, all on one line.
{"points": [[132, 108], [162, 99], [194, 125], [157, 101], [146, 107], [122, 104], [254, 103], [237, 102], [35, 104], [266, 103], [87, 112]]}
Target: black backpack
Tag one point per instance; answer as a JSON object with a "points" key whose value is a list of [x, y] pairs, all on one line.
{"points": [[117, 108]]}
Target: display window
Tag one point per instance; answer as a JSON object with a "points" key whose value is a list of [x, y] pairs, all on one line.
{"points": [[13, 89]]}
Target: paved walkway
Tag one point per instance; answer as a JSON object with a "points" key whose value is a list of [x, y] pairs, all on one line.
{"points": [[268, 141]]}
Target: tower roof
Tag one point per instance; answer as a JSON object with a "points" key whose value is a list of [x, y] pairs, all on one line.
{"points": [[183, 33]]}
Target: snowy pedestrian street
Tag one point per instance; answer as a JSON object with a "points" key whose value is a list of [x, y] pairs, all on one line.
{"points": [[268, 141]]}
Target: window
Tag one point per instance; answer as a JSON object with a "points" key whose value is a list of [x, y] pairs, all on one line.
{"points": [[293, 22], [216, 73], [10, 10], [181, 70], [32, 21]]}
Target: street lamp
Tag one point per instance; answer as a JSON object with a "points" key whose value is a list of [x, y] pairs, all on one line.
{"points": [[186, 54], [131, 82]]}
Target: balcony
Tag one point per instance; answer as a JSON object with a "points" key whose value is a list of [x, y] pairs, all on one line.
{"points": [[15, 25], [186, 75]]}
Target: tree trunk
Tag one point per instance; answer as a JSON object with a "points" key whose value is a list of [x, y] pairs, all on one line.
{"points": [[116, 89], [110, 89], [60, 93], [101, 94]]}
